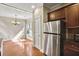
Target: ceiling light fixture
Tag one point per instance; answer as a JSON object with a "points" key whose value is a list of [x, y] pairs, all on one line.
{"points": [[15, 22], [33, 7]]}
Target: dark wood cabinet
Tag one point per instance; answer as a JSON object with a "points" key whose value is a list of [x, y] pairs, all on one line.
{"points": [[72, 20], [72, 15], [57, 14], [51, 16]]}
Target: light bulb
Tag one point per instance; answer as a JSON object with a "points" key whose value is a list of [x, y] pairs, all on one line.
{"points": [[33, 6]]}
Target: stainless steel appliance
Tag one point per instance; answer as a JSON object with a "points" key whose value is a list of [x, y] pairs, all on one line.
{"points": [[54, 36]]}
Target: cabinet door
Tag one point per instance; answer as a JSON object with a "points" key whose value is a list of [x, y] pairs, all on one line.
{"points": [[60, 14], [72, 15], [51, 16], [78, 15]]}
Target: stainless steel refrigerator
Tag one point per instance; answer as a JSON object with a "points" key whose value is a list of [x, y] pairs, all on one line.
{"points": [[54, 36]]}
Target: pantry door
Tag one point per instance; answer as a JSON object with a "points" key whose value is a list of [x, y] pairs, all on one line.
{"points": [[38, 39]]}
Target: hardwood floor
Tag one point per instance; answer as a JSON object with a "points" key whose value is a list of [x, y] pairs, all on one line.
{"points": [[23, 48], [71, 48], [36, 52]]}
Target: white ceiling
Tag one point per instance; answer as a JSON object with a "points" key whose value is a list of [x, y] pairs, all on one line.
{"points": [[24, 13], [50, 5], [25, 6]]}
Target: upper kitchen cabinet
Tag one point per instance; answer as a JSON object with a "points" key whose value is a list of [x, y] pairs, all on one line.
{"points": [[72, 15], [57, 14], [51, 16]]}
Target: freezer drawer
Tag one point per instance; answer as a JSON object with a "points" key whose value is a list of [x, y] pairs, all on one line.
{"points": [[52, 45], [55, 45]]}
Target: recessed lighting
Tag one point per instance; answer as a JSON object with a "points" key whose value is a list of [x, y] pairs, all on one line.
{"points": [[33, 6]]}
